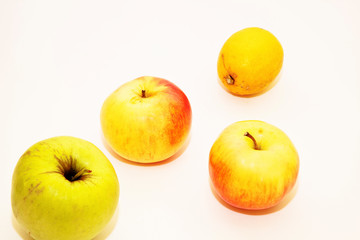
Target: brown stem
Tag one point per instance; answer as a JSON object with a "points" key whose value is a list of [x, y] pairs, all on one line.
{"points": [[80, 173], [256, 146], [143, 95], [230, 80]]}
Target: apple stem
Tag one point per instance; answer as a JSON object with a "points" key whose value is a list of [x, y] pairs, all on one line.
{"points": [[230, 80], [80, 173], [143, 95], [256, 146]]}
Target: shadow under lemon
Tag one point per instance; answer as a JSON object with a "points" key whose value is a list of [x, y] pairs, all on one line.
{"points": [[165, 161], [284, 202]]}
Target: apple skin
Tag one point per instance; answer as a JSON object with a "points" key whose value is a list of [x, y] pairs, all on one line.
{"points": [[248, 178], [48, 205], [146, 129]]}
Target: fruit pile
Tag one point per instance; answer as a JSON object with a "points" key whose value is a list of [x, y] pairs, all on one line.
{"points": [[252, 164]]}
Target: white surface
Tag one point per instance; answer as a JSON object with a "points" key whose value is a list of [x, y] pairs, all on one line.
{"points": [[59, 60]]}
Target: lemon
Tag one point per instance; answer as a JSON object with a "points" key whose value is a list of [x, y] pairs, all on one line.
{"points": [[249, 62]]}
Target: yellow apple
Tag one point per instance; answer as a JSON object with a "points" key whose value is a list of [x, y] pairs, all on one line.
{"points": [[249, 62], [253, 165], [64, 188], [146, 120]]}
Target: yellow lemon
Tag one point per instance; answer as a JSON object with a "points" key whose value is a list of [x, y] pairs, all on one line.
{"points": [[249, 62]]}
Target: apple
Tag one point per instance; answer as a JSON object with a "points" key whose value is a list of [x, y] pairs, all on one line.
{"points": [[146, 120], [253, 165], [64, 188]]}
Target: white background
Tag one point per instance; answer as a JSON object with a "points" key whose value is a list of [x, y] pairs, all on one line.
{"points": [[59, 60]]}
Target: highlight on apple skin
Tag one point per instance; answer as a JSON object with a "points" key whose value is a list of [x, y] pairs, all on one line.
{"points": [[146, 120], [253, 165], [64, 188]]}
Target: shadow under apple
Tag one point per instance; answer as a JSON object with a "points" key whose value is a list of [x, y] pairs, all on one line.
{"points": [[285, 201], [103, 235], [166, 161], [25, 235], [109, 227]]}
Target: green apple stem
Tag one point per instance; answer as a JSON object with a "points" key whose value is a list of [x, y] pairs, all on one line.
{"points": [[143, 94], [256, 146], [80, 173]]}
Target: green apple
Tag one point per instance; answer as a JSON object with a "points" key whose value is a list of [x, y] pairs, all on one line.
{"points": [[64, 188], [253, 165]]}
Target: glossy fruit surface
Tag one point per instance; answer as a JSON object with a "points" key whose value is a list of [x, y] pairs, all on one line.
{"points": [[64, 188], [249, 62], [253, 165], [146, 120]]}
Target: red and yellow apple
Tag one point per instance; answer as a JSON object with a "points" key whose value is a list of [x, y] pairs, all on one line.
{"points": [[253, 165], [146, 120]]}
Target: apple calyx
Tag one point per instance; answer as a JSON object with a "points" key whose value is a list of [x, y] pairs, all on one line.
{"points": [[256, 146], [68, 167], [143, 93]]}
